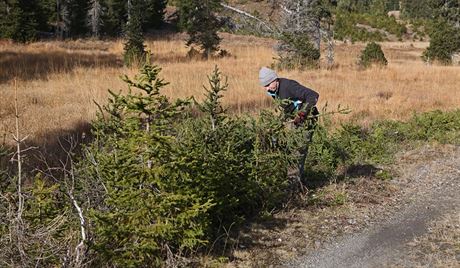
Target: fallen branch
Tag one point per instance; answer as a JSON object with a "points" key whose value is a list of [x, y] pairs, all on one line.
{"points": [[248, 15]]}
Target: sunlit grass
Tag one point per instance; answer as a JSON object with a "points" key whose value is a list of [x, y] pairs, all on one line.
{"points": [[59, 81]]}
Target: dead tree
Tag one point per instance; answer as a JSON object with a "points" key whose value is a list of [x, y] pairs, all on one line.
{"points": [[263, 27], [63, 20], [95, 18], [299, 17], [307, 21]]}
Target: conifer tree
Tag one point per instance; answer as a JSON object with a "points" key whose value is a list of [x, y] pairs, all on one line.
{"points": [[134, 49], [416, 8], [143, 212], [199, 20], [114, 17], [212, 106], [445, 34], [301, 32], [78, 17], [19, 20], [154, 11]]}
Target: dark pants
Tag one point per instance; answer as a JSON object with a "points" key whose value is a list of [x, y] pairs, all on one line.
{"points": [[310, 125]]}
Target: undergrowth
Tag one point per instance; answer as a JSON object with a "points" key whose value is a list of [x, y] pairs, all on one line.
{"points": [[346, 27], [163, 182]]}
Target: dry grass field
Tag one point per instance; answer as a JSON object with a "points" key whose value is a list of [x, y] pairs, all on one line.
{"points": [[58, 82]]}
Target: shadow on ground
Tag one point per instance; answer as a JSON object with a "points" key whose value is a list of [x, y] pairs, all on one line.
{"points": [[317, 179], [28, 66], [49, 151]]}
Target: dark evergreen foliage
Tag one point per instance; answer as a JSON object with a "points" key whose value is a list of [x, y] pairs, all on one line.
{"points": [[19, 20], [415, 8], [153, 12], [24, 21], [78, 17], [114, 17], [134, 49], [199, 20], [444, 42], [297, 52], [372, 54]]}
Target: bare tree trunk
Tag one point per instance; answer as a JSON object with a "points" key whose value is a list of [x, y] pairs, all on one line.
{"points": [[95, 18], [17, 139], [19, 224], [299, 18], [62, 13], [330, 46], [7, 5], [315, 33]]}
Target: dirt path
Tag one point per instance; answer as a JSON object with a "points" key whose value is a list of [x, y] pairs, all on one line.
{"points": [[431, 183]]}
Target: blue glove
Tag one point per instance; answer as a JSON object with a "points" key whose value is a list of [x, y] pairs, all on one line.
{"points": [[297, 104]]}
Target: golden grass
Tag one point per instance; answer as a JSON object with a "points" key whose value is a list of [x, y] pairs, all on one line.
{"points": [[58, 81]]}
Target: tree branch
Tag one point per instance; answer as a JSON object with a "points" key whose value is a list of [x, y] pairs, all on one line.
{"points": [[248, 15]]}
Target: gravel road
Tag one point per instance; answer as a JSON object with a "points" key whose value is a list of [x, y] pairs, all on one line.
{"points": [[431, 183]]}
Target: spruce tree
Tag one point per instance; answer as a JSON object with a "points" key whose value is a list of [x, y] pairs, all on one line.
{"points": [[154, 11], [78, 17], [419, 9], [134, 49], [142, 212], [445, 32], [444, 42], [199, 20], [115, 17], [19, 20]]}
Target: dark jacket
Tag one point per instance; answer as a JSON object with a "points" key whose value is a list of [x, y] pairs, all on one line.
{"points": [[293, 91]]}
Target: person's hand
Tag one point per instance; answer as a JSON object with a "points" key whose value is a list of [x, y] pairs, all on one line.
{"points": [[300, 118]]}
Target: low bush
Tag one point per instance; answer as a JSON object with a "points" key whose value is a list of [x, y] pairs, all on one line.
{"points": [[372, 54], [346, 27], [296, 51], [163, 180], [444, 42]]}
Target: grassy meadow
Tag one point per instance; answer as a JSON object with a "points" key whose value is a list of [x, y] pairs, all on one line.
{"points": [[58, 82]]}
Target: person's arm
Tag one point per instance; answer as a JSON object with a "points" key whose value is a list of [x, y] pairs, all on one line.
{"points": [[308, 96]]}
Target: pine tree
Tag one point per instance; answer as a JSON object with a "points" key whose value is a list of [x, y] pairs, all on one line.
{"points": [[199, 20], [444, 42], [354, 5], [19, 20], [416, 8], [78, 17], [115, 17], [448, 10], [154, 12], [143, 212], [134, 49], [212, 106], [46, 16]]}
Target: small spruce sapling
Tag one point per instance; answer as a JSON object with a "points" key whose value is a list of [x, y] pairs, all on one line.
{"points": [[372, 54], [212, 105]]}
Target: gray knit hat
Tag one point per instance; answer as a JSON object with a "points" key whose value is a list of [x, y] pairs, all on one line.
{"points": [[266, 76]]}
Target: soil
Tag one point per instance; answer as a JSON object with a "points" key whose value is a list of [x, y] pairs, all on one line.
{"points": [[372, 228]]}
